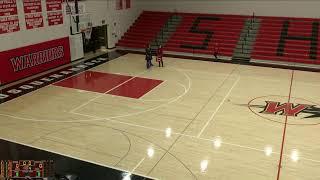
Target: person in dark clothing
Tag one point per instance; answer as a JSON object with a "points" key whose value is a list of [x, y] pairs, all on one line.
{"points": [[149, 57], [216, 50], [159, 56]]}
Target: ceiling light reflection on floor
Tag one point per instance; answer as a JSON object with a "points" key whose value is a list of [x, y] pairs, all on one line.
{"points": [[217, 141], [126, 176], [204, 166], [168, 132], [294, 156], [150, 152], [268, 150]]}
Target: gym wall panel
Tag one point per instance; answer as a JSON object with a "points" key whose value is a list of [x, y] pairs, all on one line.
{"points": [[26, 37], [118, 20], [291, 8], [24, 53]]}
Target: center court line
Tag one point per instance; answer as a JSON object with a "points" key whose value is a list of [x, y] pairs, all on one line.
{"points": [[102, 94], [218, 108], [285, 129]]}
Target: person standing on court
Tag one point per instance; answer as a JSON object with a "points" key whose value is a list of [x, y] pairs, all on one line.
{"points": [[160, 56], [216, 50], [148, 56]]}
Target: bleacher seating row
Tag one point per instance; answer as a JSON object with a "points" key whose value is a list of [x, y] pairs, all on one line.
{"points": [[226, 32], [144, 29], [295, 51]]}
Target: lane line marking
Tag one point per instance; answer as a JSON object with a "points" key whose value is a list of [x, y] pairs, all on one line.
{"points": [[100, 95]]}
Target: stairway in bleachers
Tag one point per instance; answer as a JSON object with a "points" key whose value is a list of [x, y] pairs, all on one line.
{"points": [[165, 33], [198, 34], [242, 52]]}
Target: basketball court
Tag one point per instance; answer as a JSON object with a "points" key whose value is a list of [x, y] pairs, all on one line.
{"points": [[188, 120]]}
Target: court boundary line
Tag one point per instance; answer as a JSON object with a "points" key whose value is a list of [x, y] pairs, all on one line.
{"points": [[284, 129]]}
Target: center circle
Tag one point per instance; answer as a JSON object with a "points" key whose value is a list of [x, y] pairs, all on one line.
{"points": [[275, 108]]}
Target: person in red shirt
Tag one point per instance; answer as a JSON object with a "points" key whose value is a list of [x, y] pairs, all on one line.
{"points": [[159, 56], [216, 50]]}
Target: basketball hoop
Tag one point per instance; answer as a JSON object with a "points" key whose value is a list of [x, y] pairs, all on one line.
{"points": [[84, 24]]}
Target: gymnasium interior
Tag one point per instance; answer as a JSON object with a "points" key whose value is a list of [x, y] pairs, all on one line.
{"points": [[237, 96]]}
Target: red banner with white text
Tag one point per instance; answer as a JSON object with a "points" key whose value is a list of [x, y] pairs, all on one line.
{"points": [[32, 6], [54, 5], [55, 18], [9, 20], [19, 63], [34, 20], [9, 24], [8, 7], [33, 13]]}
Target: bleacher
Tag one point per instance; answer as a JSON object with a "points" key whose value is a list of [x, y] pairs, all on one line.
{"points": [[196, 35], [225, 31], [267, 46], [144, 29]]}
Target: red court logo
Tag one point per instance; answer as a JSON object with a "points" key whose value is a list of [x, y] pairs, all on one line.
{"points": [[275, 108], [286, 109]]}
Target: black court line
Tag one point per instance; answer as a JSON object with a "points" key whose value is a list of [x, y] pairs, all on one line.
{"points": [[21, 89], [284, 130]]}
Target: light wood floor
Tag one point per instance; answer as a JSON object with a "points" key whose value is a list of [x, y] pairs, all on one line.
{"points": [[195, 125]]}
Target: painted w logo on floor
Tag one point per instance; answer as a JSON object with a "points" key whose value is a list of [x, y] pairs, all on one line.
{"points": [[285, 109]]}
